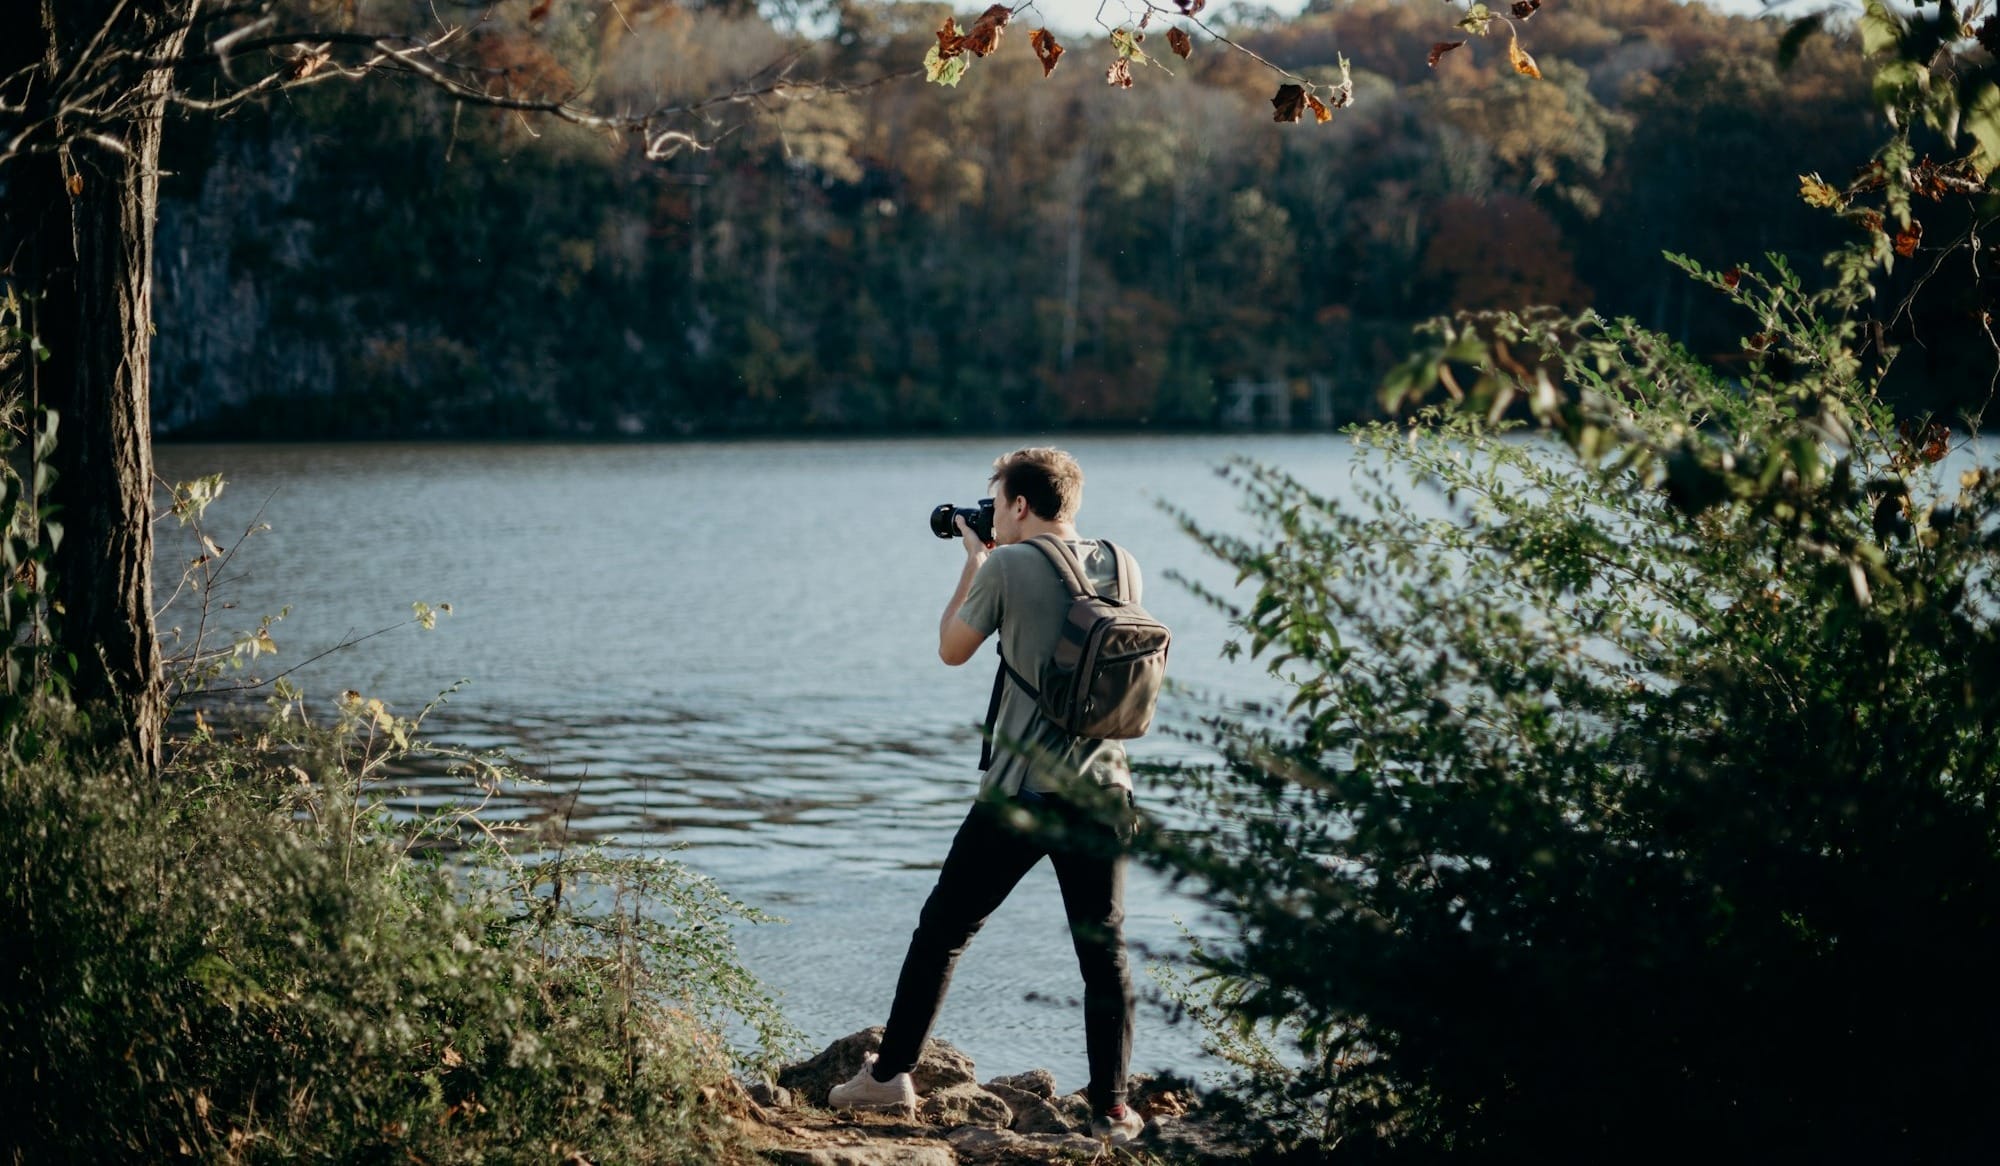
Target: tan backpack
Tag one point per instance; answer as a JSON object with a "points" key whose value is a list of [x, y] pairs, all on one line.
{"points": [[1105, 677]]}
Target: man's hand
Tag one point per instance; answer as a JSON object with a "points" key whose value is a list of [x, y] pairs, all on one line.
{"points": [[957, 641], [974, 545]]}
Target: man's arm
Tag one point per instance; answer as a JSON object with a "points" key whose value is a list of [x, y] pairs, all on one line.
{"points": [[958, 640]]}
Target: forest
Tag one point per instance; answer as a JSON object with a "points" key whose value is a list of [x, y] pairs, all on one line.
{"points": [[1015, 252]]}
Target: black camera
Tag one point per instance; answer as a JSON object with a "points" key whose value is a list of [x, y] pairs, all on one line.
{"points": [[979, 518]]}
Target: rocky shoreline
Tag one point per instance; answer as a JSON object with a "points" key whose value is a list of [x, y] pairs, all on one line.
{"points": [[960, 1121]]}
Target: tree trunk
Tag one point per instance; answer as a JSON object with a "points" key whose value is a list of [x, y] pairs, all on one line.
{"points": [[87, 255]]}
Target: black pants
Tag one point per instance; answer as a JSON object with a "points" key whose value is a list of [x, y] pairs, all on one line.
{"points": [[990, 854]]}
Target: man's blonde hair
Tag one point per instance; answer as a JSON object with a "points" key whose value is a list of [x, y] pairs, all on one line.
{"points": [[1047, 477]]}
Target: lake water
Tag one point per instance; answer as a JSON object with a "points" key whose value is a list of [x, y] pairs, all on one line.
{"points": [[733, 647]]}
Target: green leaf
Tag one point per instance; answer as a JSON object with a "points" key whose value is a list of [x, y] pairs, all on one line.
{"points": [[1805, 458], [1127, 45], [1477, 19], [1900, 82], [1982, 121], [1881, 29], [945, 72]]}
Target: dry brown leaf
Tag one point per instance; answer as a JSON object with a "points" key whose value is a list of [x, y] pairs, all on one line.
{"points": [[1523, 63], [1321, 113], [1179, 41], [950, 44], [75, 184], [1934, 181], [1290, 104], [540, 11], [1439, 49], [1120, 73], [1191, 7], [308, 63], [984, 35], [1816, 192], [1908, 238], [1523, 9], [1044, 43]]}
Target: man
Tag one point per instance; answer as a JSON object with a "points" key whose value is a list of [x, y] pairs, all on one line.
{"points": [[1044, 794]]}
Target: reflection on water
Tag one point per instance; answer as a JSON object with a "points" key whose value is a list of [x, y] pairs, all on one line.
{"points": [[731, 648]]}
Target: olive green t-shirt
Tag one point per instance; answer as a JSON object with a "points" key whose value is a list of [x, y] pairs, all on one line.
{"points": [[1018, 593]]}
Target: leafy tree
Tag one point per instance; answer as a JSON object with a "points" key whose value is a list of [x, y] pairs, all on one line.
{"points": [[1635, 796]]}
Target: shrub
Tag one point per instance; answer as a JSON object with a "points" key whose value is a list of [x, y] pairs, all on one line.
{"points": [[250, 962], [1637, 792]]}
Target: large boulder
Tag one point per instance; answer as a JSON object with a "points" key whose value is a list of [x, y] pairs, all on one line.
{"points": [[939, 1067], [964, 1105], [1034, 1083], [1054, 1115]]}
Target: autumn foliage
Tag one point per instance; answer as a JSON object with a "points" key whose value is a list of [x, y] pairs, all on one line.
{"points": [[818, 269]]}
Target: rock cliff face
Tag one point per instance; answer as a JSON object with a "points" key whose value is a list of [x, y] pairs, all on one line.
{"points": [[1017, 1119], [225, 235]]}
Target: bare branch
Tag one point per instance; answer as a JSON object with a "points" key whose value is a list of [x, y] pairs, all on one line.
{"points": [[90, 50], [212, 49]]}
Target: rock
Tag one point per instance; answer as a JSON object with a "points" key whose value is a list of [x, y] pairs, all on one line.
{"points": [[963, 1105], [981, 1138], [1045, 1119], [1167, 1095], [1065, 1145], [1075, 1107], [770, 1096], [977, 1146], [1041, 1130], [1057, 1115], [1016, 1100], [939, 1067], [897, 1153], [1035, 1082]]}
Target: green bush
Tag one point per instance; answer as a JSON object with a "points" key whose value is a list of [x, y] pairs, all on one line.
{"points": [[1637, 794], [247, 962]]}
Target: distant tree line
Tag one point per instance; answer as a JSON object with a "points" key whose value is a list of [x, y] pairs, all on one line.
{"points": [[372, 261]]}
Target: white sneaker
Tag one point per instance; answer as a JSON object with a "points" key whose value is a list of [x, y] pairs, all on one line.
{"points": [[863, 1091], [1118, 1129]]}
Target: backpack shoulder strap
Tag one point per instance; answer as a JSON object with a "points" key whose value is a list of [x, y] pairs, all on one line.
{"points": [[1125, 568], [1005, 673], [1067, 565]]}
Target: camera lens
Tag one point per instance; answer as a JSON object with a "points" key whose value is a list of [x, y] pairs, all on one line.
{"points": [[941, 520], [978, 518]]}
